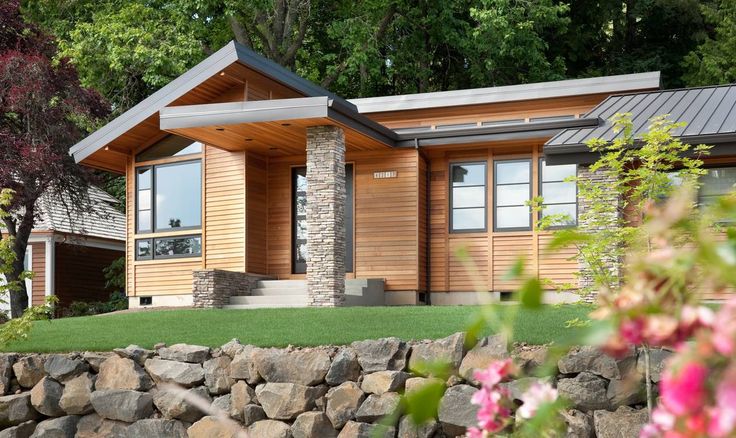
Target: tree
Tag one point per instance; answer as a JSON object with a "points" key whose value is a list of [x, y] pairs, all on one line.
{"points": [[714, 61], [43, 111]]}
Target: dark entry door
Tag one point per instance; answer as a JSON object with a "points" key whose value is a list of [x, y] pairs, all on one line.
{"points": [[299, 219]]}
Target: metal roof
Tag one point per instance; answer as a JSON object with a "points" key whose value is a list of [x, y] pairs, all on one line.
{"points": [[511, 93], [709, 114]]}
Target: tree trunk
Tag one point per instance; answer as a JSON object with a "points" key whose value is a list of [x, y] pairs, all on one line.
{"points": [[18, 297], [20, 232]]}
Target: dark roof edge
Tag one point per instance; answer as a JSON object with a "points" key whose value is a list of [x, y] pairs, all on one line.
{"points": [[715, 139]]}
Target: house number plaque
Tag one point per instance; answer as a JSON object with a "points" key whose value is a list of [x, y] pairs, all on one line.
{"points": [[385, 174]]}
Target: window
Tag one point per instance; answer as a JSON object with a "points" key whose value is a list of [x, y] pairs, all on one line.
{"points": [[468, 197], [512, 192], [171, 146], [168, 247], [560, 196], [717, 182], [143, 249], [144, 200], [169, 197]]}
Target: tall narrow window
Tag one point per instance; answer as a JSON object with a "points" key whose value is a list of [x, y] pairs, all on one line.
{"points": [[468, 197], [560, 196], [144, 200], [512, 192]]}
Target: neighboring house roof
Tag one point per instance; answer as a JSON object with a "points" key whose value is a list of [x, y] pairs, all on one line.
{"points": [[709, 114], [102, 221]]}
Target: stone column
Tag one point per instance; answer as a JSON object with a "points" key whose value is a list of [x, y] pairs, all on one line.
{"points": [[326, 216]]}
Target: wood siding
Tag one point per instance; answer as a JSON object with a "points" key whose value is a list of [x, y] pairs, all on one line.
{"points": [[79, 273], [256, 186], [38, 265]]}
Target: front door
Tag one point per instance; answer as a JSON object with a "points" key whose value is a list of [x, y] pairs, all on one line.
{"points": [[299, 219]]}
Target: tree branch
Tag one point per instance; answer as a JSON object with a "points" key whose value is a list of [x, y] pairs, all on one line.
{"points": [[241, 35]]}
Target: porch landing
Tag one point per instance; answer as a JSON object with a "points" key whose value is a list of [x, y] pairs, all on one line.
{"points": [[293, 293]]}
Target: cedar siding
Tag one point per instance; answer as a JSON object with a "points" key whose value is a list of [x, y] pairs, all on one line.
{"points": [[38, 264]]}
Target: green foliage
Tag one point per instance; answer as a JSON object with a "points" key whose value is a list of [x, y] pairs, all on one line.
{"points": [[714, 61], [7, 254], [115, 275], [422, 404], [117, 301], [18, 329]]}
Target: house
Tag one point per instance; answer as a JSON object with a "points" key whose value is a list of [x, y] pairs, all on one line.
{"points": [[250, 186], [68, 249]]}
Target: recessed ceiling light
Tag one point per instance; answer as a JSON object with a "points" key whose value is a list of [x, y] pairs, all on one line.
{"points": [[286, 124], [220, 129], [248, 139]]}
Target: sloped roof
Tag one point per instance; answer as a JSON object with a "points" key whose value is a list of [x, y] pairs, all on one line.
{"points": [[709, 114]]}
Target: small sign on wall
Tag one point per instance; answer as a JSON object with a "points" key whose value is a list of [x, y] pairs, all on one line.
{"points": [[385, 174]]}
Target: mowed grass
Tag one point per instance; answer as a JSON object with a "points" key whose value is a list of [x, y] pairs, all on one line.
{"points": [[281, 327]]}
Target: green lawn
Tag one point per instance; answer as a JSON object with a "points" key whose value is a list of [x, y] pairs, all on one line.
{"points": [[281, 327]]}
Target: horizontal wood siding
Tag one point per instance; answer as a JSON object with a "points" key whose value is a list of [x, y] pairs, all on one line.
{"points": [[38, 266], [422, 234], [557, 266], [165, 277], [257, 213], [279, 215], [79, 273], [468, 263], [507, 249]]}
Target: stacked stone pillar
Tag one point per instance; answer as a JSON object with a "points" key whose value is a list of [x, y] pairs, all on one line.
{"points": [[326, 216]]}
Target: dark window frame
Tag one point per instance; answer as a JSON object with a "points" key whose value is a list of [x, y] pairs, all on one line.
{"points": [[176, 256], [712, 166], [452, 209], [530, 182], [541, 191], [150, 244], [138, 229]]}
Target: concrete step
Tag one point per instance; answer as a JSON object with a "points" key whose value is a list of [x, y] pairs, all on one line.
{"points": [[272, 300], [282, 284], [262, 306], [270, 291]]}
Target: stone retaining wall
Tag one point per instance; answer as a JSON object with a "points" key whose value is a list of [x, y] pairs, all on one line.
{"points": [[212, 288], [180, 390]]}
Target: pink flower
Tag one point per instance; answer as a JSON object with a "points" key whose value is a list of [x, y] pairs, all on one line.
{"points": [[659, 329], [534, 397], [474, 432], [724, 330], [631, 330], [723, 416], [683, 390], [495, 373]]}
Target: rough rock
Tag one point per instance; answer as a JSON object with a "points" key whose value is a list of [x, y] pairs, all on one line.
{"points": [[381, 354], [304, 367], [6, 371], [135, 353], [221, 403], [530, 358], [212, 427], [122, 404], [185, 353], [448, 350], [344, 367], [179, 406], [579, 424], [384, 381], [232, 347], [586, 391], [62, 427], [16, 409], [122, 373], [517, 387], [313, 424], [23, 430], [657, 362], [241, 395], [376, 407], [343, 402], [591, 359], [95, 359], [625, 422], [94, 426], [285, 401], [407, 429], [217, 375], [61, 367], [489, 349], [456, 413], [355, 429], [29, 370], [415, 383], [629, 390], [269, 429], [243, 365], [45, 397], [253, 413], [75, 398], [184, 374], [159, 428]]}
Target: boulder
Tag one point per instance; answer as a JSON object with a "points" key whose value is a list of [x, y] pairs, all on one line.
{"points": [[212, 427], [313, 424], [180, 406], [45, 397], [137, 354], [221, 403], [586, 391], [343, 402], [217, 375], [75, 398], [529, 358], [375, 407], [519, 386], [449, 350], [304, 367], [23, 430], [169, 371], [384, 381], [122, 373], [61, 367], [185, 353], [269, 429], [6, 371], [415, 383], [355, 429], [285, 401], [122, 404], [456, 413], [629, 390], [489, 349], [657, 363], [232, 347], [95, 359], [94, 426], [16, 409], [407, 428], [592, 360], [29, 370], [625, 422], [344, 367], [579, 424], [381, 354], [241, 395], [253, 413], [157, 427], [243, 366], [62, 427]]}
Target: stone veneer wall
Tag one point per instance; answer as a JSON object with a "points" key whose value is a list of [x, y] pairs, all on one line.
{"points": [[212, 288], [280, 393], [326, 215]]}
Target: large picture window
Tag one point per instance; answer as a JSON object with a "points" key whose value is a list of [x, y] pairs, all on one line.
{"points": [[717, 182], [169, 197], [512, 193], [468, 197], [559, 195]]}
